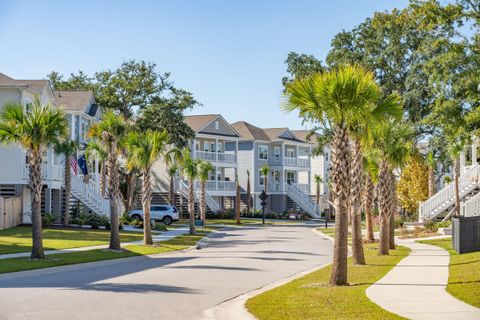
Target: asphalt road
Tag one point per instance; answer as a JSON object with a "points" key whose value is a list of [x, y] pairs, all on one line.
{"points": [[178, 285]]}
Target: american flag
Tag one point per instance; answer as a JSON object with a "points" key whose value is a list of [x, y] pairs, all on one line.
{"points": [[73, 164]]}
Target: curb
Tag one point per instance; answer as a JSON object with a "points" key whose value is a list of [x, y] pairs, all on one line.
{"points": [[234, 308]]}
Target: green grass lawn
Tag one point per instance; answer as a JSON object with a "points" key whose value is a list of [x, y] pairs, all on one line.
{"points": [[310, 297], [178, 243], [464, 273], [19, 239]]}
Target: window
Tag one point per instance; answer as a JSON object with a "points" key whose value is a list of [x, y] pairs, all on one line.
{"points": [[276, 176], [158, 208], [197, 145], [28, 105], [261, 178], [205, 146], [212, 146], [217, 125], [290, 177], [276, 152], [290, 152], [326, 156], [263, 152], [219, 147]]}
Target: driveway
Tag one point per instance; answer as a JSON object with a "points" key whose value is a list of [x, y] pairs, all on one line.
{"points": [[177, 285]]}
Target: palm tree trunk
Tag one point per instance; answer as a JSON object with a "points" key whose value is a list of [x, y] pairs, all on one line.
{"points": [[146, 200], [393, 209], [113, 193], [237, 204], [340, 192], [171, 191], [36, 184], [131, 180], [356, 203], [203, 203], [368, 205], [456, 171], [103, 180], [68, 187], [265, 188], [317, 196], [383, 197], [431, 182], [191, 207]]}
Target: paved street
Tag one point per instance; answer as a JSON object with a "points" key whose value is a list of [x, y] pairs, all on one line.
{"points": [[179, 285]]}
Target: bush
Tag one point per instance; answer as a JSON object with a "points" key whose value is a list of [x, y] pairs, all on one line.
{"points": [[430, 226], [47, 220], [445, 224], [159, 227], [399, 222], [125, 219], [221, 214], [96, 221]]}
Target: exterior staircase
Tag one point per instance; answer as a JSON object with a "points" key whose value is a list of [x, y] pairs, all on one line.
{"points": [[182, 187], [444, 199], [89, 195], [302, 199]]}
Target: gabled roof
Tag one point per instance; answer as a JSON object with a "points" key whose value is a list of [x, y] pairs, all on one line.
{"points": [[249, 131], [302, 135], [75, 100], [197, 122], [34, 85]]}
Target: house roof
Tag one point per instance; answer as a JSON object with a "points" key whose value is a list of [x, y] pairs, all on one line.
{"points": [[77, 100], [197, 122], [34, 85], [302, 135], [249, 131]]}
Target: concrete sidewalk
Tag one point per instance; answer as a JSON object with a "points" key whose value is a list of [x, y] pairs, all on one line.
{"points": [[415, 288], [167, 235]]}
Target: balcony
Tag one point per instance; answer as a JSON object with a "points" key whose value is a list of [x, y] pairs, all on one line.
{"points": [[52, 173], [281, 187], [212, 185], [220, 157], [290, 162]]}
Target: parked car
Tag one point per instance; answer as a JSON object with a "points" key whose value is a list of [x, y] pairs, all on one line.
{"points": [[165, 213]]}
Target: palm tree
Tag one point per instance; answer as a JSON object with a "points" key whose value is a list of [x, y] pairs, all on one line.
{"points": [[431, 173], [109, 132], [249, 193], [173, 159], [393, 142], [203, 169], [98, 151], [318, 181], [33, 131], [144, 149], [68, 148], [454, 152], [338, 100], [190, 170]]}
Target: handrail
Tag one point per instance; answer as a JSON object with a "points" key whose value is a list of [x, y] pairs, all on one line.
{"points": [[471, 207], [467, 182], [302, 199], [89, 196]]}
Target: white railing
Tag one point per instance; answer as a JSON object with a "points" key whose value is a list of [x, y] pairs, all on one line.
{"points": [[183, 187], [89, 196], [216, 156], [290, 162], [440, 201], [303, 188], [227, 157], [471, 207], [302, 199], [52, 172]]}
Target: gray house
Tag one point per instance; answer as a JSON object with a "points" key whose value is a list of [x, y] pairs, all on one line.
{"points": [[289, 159]]}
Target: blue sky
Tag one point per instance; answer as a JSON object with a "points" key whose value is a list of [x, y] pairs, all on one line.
{"points": [[230, 54]]}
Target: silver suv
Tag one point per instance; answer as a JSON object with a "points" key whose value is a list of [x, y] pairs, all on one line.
{"points": [[165, 213]]}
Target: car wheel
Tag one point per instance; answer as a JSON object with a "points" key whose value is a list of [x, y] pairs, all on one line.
{"points": [[137, 217], [167, 220]]}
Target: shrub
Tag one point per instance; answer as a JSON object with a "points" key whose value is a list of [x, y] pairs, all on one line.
{"points": [[125, 219], [399, 222], [47, 220], [96, 221], [444, 224], [430, 226], [159, 227]]}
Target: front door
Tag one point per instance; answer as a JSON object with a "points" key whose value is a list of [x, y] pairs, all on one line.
{"points": [[276, 180]]}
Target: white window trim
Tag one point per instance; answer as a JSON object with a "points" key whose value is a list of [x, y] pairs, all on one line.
{"points": [[261, 178], [259, 153]]}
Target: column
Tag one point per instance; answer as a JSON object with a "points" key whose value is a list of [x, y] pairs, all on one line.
{"points": [[72, 128], [48, 200], [474, 152], [309, 191], [282, 150], [462, 161], [216, 150], [216, 178], [194, 147], [297, 154], [236, 151]]}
